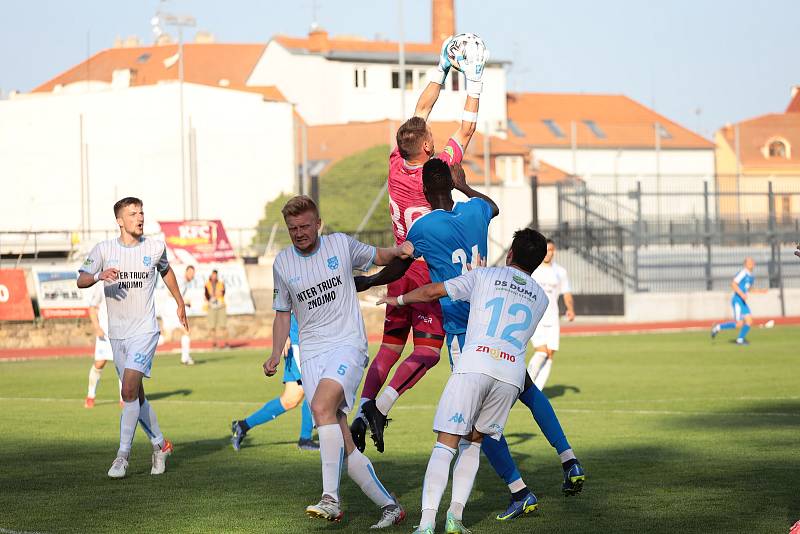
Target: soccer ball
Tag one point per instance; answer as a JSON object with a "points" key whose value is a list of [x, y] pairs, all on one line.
{"points": [[465, 49]]}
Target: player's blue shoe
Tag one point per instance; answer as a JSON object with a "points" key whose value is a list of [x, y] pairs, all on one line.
{"points": [[743, 342], [238, 435], [523, 506], [574, 477], [714, 331]]}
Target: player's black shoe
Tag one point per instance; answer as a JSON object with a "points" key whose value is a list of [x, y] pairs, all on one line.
{"points": [[377, 422], [238, 435], [359, 432]]}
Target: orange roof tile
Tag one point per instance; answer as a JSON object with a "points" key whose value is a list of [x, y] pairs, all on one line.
{"points": [[619, 122], [205, 63], [550, 174], [754, 134], [319, 41]]}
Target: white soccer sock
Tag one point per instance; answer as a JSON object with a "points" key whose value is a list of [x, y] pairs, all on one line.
{"points": [[331, 451], [360, 470], [537, 361], [127, 427], [149, 422], [185, 343], [567, 455], [94, 378], [386, 400], [544, 374], [435, 482], [517, 485], [469, 457]]}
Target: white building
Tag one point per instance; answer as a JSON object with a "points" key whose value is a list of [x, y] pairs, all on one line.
{"points": [[611, 143], [71, 148]]}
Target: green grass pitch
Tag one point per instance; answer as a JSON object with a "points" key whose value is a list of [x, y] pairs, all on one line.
{"points": [[677, 434]]}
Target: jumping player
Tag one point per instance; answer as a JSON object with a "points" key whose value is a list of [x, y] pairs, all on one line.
{"points": [[127, 267], [407, 203], [313, 278]]}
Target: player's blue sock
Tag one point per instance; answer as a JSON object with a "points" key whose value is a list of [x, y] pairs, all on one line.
{"points": [[727, 326], [266, 413], [539, 405], [743, 332], [307, 423], [500, 457]]}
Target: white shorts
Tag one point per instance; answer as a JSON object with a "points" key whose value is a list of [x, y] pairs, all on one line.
{"points": [[135, 353], [343, 364], [546, 335], [102, 350], [474, 400]]}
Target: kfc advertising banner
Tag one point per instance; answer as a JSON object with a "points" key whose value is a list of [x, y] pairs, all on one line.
{"points": [[15, 303], [193, 242]]}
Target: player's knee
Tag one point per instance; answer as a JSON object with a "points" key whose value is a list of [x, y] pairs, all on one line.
{"points": [[749, 320], [291, 399], [99, 364], [129, 393], [321, 411]]}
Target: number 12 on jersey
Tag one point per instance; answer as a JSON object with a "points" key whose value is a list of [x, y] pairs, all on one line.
{"points": [[497, 304]]}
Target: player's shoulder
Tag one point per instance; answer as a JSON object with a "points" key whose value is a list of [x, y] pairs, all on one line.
{"points": [[154, 244]]}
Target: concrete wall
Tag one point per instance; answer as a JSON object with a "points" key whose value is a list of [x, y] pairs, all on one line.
{"points": [[702, 305], [325, 93], [244, 148]]}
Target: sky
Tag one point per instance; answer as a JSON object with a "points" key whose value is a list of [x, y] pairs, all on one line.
{"points": [[702, 63]]}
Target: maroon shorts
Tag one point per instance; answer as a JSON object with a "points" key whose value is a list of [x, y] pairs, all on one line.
{"points": [[425, 317]]}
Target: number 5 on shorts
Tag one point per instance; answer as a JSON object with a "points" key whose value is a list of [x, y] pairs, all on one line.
{"points": [[342, 369]]}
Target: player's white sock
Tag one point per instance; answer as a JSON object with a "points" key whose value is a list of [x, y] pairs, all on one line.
{"points": [[435, 482], [518, 485], [331, 450], [149, 421], [185, 343], [127, 427], [537, 361], [360, 469], [94, 378], [544, 374], [567, 455], [386, 400], [469, 456]]}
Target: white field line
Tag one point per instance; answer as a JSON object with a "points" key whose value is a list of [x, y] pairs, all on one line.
{"points": [[432, 406], [7, 531]]}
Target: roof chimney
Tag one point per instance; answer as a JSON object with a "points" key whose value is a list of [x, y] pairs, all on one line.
{"points": [[318, 40], [443, 20]]}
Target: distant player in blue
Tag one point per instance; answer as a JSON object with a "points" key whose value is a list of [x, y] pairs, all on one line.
{"points": [[291, 397], [452, 238], [742, 285]]}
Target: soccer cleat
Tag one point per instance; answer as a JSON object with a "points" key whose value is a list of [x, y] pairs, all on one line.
{"points": [[119, 468], [307, 444], [326, 508], [743, 342], [377, 422], [359, 432], [88, 403], [160, 458], [238, 435], [187, 361], [574, 477], [391, 514], [714, 331], [523, 506], [423, 531], [455, 526]]}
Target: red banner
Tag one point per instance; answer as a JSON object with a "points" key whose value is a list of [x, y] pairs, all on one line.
{"points": [[197, 241], [15, 303]]}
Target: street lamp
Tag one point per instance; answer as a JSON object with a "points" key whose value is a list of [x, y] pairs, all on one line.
{"points": [[180, 22]]}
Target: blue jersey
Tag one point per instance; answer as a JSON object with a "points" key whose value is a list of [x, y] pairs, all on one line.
{"points": [[449, 241], [745, 281]]}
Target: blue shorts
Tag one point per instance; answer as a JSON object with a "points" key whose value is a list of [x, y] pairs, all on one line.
{"points": [[740, 309], [455, 342], [291, 371]]}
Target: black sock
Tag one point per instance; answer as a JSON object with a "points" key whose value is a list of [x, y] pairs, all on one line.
{"points": [[518, 495], [569, 463], [243, 425]]}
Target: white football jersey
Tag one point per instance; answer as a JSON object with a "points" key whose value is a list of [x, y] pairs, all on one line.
{"points": [[97, 299], [505, 306], [553, 279], [319, 289], [129, 299]]}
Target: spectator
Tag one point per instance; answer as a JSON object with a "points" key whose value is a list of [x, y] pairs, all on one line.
{"points": [[215, 301]]}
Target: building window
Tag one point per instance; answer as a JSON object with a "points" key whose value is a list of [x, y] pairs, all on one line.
{"points": [[554, 128], [409, 79], [360, 79], [595, 129], [395, 80], [510, 169], [777, 149]]}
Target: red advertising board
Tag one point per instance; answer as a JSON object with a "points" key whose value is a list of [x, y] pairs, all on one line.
{"points": [[202, 241], [15, 303]]}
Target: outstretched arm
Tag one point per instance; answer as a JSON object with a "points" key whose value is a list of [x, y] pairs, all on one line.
{"points": [[436, 78], [426, 293], [384, 255], [392, 272]]}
